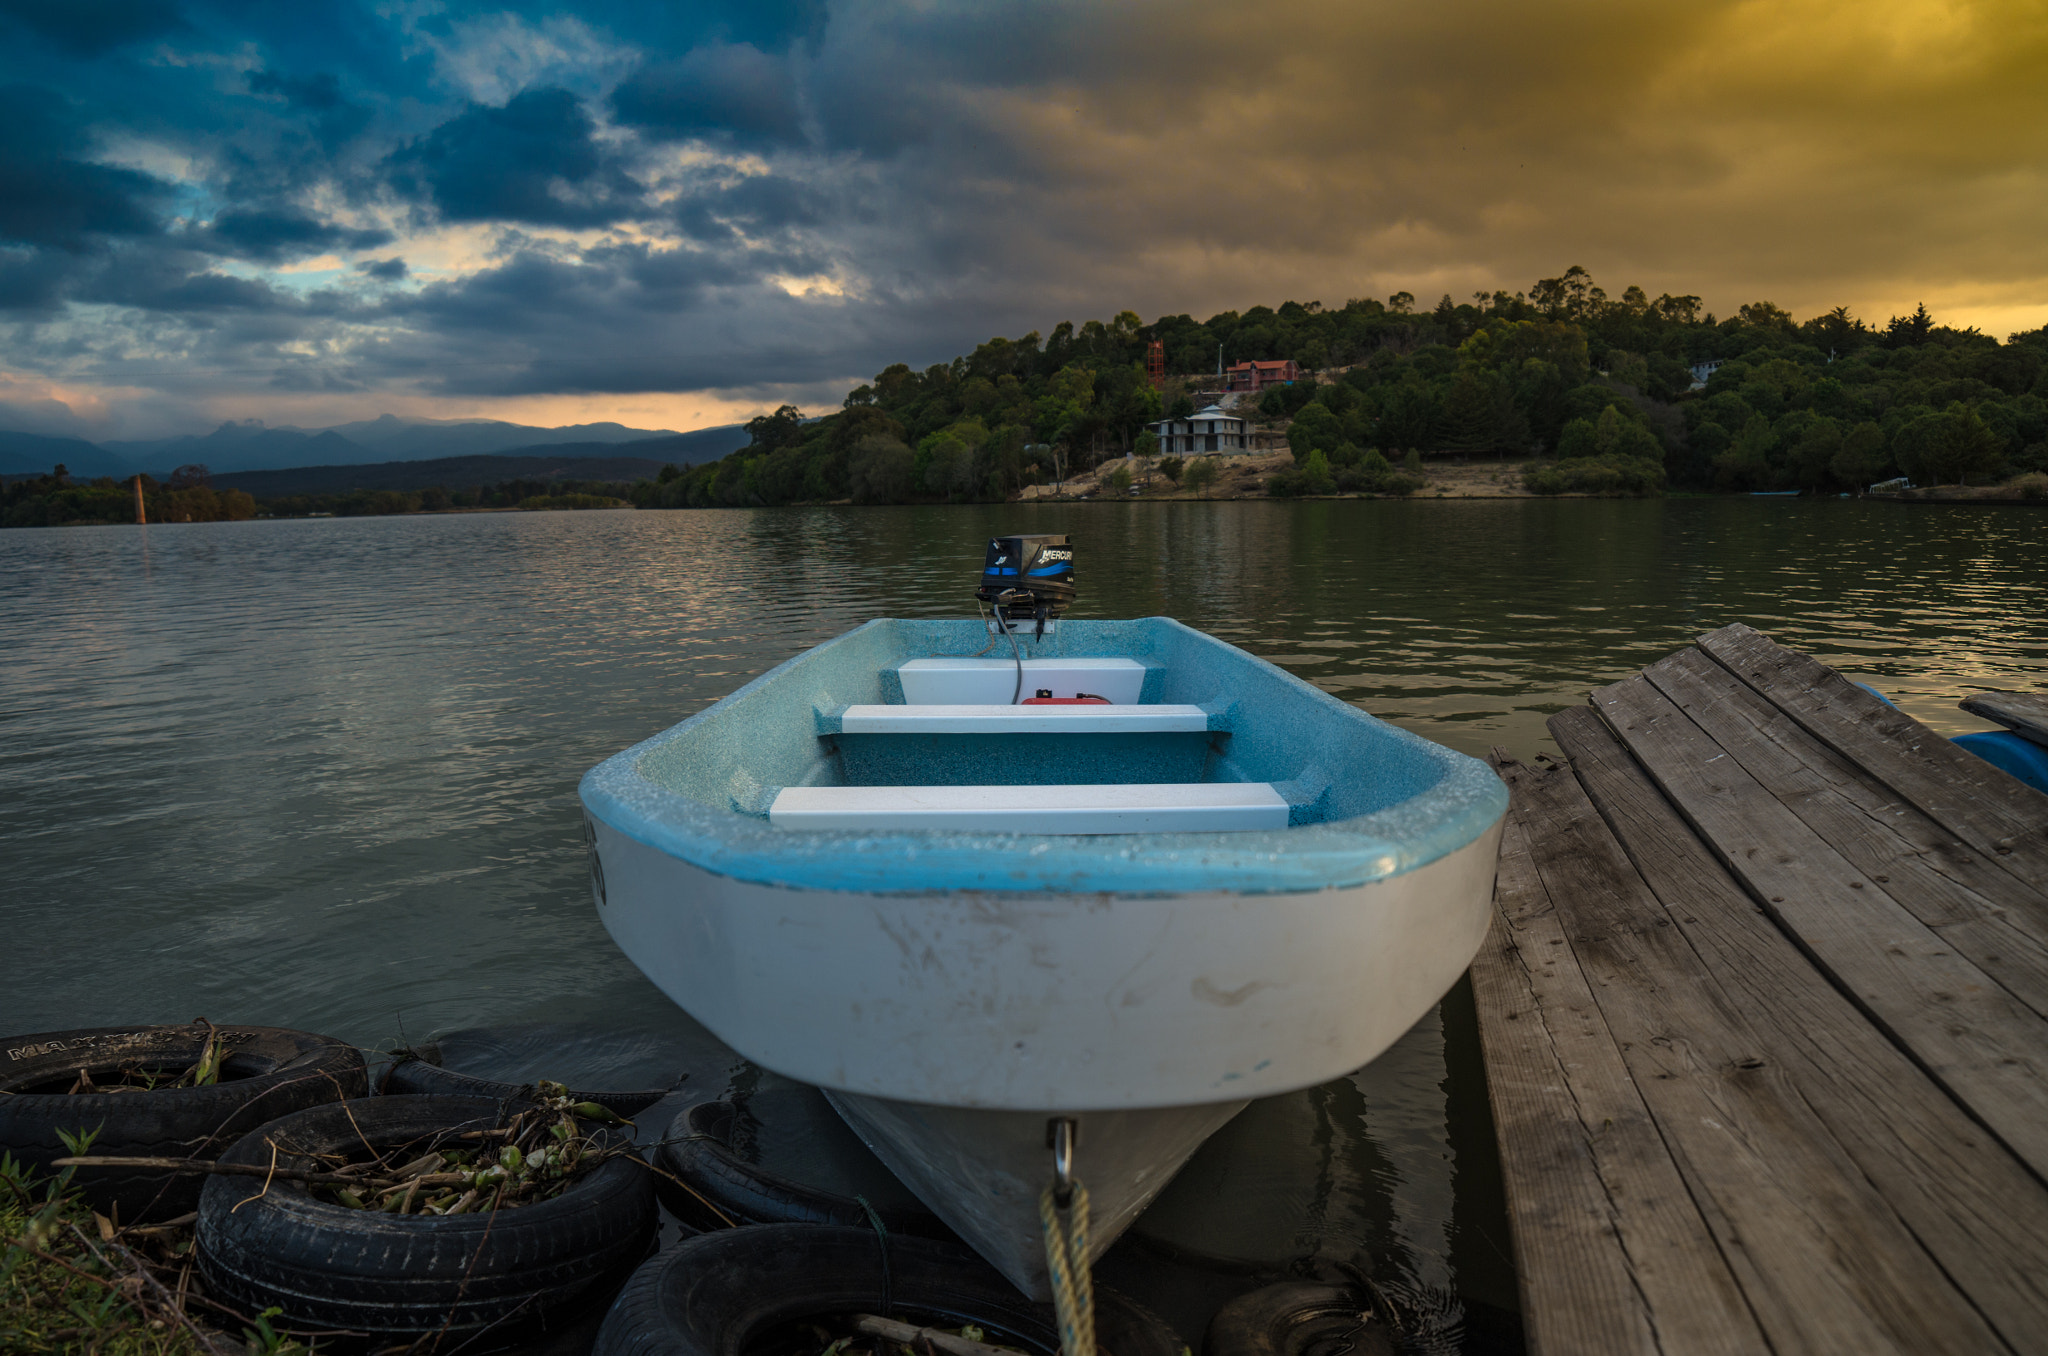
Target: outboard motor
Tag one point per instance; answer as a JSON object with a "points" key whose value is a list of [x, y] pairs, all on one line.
{"points": [[1027, 579]]}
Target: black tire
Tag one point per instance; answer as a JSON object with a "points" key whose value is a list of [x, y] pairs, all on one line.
{"points": [[718, 1293], [1298, 1318], [698, 1150], [421, 1077], [487, 1279], [267, 1073]]}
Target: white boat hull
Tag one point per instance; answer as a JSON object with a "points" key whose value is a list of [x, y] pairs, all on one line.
{"points": [[947, 1029], [982, 1171], [1050, 1003]]}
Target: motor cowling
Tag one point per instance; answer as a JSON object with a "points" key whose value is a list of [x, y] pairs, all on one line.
{"points": [[1028, 580]]}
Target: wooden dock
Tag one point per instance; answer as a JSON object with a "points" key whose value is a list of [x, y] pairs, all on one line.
{"points": [[1765, 1020]]}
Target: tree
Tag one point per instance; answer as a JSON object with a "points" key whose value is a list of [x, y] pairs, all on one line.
{"points": [[1677, 310], [1938, 447], [1909, 331], [949, 462], [1863, 458], [1580, 438], [1479, 414], [880, 471], [1746, 465], [1408, 414], [1170, 467], [1812, 461], [1315, 474], [1762, 315], [780, 429], [1570, 297], [1199, 476], [1314, 428], [1119, 480]]}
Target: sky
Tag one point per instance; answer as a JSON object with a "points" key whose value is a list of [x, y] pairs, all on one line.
{"points": [[675, 215]]}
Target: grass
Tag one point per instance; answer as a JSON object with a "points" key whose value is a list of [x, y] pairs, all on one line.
{"points": [[72, 1283]]}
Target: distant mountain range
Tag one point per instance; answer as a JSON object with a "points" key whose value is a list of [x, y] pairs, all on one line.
{"points": [[242, 446], [561, 461]]}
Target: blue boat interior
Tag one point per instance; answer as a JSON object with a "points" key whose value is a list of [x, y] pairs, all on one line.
{"points": [[1289, 788], [1328, 760]]}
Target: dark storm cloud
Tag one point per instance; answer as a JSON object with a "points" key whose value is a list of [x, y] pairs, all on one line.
{"points": [[320, 92], [534, 161], [733, 93], [271, 235], [50, 193], [383, 270], [730, 208], [89, 28], [30, 282]]}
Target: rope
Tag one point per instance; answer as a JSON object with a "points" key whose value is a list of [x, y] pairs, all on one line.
{"points": [[1066, 1258], [888, 1277]]}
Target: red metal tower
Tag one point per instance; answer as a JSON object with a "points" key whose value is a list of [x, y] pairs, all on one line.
{"points": [[1155, 363]]}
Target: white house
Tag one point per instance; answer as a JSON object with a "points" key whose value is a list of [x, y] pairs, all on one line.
{"points": [[1211, 430]]}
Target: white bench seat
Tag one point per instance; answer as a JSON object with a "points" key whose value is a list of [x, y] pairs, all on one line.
{"points": [[1187, 807], [1084, 719], [928, 681]]}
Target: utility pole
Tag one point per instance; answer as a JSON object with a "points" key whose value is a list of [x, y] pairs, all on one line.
{"points": [[139, 518]]}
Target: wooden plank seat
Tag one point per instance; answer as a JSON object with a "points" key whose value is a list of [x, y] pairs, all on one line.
{"points": [[1007, 719], [1190, 807]]}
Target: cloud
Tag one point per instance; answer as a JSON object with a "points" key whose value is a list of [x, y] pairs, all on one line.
{"points": [[319, 92], [50, 193], [614, 197], [490, 58], [535, 161], [732, 93], [274, 234], [88, 28]]}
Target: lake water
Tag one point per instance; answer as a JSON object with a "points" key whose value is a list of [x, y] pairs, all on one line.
{"points": [[321, 773]]}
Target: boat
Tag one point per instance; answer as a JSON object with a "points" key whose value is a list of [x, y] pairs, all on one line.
{"points": [[1103, 885]]}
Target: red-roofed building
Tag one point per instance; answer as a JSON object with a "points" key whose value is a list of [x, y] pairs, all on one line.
{"points": [[1257, 376]]}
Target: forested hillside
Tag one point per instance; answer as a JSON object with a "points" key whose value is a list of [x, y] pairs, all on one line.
{"points": [[1599, 388]]}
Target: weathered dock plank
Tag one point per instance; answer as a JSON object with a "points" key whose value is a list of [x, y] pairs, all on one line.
{"points": [[1980, 1216], [1984, 807], [1982, 1044], [1765, 1013], [2024, 713], [1822, 1260], [1996, 921], [1611, 1253]]}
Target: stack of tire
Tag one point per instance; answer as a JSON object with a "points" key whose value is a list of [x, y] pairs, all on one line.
{"points": [[767, 1252], [474, 1282], [266, 1073], [758, 1253]]}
